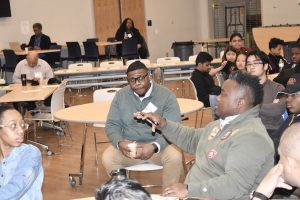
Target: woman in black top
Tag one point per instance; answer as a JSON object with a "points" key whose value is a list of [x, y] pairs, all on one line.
{"points": [[127, 30]]}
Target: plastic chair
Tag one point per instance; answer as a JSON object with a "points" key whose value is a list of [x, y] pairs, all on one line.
{"points": [[102, 95], [145, 61], [193, 58], [11, 61], [129, 49], [53, 58], [92, 39], [44, 116], [173, 74], [168, 60], [91, 52], [111, 50], [74, 52], [111, 64], [147, 166], [82, 80]]}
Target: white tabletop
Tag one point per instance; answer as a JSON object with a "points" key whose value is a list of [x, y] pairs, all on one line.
{"points": [[27, 93], [97, 112]]}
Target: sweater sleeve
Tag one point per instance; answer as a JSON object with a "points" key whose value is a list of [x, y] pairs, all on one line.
{"points": [[275, 108], [113, 126], [186, 138]]}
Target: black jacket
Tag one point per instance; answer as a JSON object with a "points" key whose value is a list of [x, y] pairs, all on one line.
{"points": [[286, 73], [44, 44], [203, 83]]}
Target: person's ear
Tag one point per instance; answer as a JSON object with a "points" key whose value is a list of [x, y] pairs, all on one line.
{"points": [[266, 66], [241, 102]]}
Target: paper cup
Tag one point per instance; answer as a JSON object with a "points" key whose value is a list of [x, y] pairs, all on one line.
{"points": [[132, 147]]}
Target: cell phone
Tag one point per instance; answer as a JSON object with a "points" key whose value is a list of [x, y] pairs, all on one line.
{"points": [[227, 67]]}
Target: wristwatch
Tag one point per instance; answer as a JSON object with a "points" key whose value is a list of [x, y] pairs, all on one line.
{"points": [[258, 195]]}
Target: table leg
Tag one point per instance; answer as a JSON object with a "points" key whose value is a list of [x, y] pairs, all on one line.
{"points": [[80, 174], [162, 81]]}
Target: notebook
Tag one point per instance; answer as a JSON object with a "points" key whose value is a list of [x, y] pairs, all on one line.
{"points": [[15, 46]]}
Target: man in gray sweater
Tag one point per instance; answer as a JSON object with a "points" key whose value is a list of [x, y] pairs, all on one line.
{"points": [[232, 154], [272, 108], [132, 140]]}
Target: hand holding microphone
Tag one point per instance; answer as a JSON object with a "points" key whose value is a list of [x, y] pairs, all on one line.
{"points": [[152, 118]]}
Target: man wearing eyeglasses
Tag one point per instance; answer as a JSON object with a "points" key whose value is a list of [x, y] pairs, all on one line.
{"points": [[271, 110], [132, 140]]}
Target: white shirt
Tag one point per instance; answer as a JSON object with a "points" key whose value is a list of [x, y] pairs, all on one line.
{"points": [[227, 120], [42, 68]]}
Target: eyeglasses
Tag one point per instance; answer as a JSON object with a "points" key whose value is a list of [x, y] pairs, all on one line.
{"points": [[14, 126], [256, 64], [139, 79]]}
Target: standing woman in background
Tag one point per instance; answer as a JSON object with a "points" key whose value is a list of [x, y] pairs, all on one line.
{"points": [[126, 31], [21, 172]]}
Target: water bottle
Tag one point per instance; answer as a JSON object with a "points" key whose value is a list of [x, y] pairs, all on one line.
{"points": [[118, 174], [280, 64]]}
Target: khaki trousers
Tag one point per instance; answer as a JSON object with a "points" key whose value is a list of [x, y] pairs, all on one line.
{"points": [[170, 158]]}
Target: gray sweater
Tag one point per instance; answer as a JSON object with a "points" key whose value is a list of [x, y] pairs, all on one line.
{"points": [[271, 111], [231, 162], [121, 125]]}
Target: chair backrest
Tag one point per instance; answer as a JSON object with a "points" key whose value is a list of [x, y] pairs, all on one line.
{"points": [[193, 58], [192, 92], [58, 99], [92, 39], [129, 48], [111, 64], [80, 66], [53, 57], [112, 49], [105, 94], [91, 50], [166, 60], [145, 61], [74, 51], [11, 60]]}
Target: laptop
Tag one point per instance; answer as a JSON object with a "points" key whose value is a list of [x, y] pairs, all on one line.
{"points": [[15, 46]]}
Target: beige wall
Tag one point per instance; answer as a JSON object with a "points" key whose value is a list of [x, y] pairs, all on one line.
{"points": [[172, 20], [276, 12], [62, 20]]}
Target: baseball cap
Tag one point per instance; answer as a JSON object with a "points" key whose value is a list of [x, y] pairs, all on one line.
{"points": [[292, 86]]}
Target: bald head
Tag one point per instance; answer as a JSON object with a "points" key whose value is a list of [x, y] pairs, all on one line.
{"points": [[32, 58], [290, 142], [289, 149]]}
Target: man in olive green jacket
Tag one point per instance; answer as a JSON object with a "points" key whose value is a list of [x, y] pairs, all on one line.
{"points": [[232, 154]]}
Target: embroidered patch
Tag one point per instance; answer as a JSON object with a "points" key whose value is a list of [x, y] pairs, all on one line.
{"points": [[229, 133], [212, 153], [224, 137], [213, 133]]}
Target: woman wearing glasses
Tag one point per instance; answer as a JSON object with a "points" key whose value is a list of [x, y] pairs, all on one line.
{"points": [[21, 172]]}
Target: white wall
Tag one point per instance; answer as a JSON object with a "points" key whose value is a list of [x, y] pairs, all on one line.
{"points": [[62, 20], [276, 12], [172, 20]]}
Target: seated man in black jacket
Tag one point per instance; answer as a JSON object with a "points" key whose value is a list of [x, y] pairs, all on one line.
{"points": [[291, 69], [202, 79], [39, 40]]}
